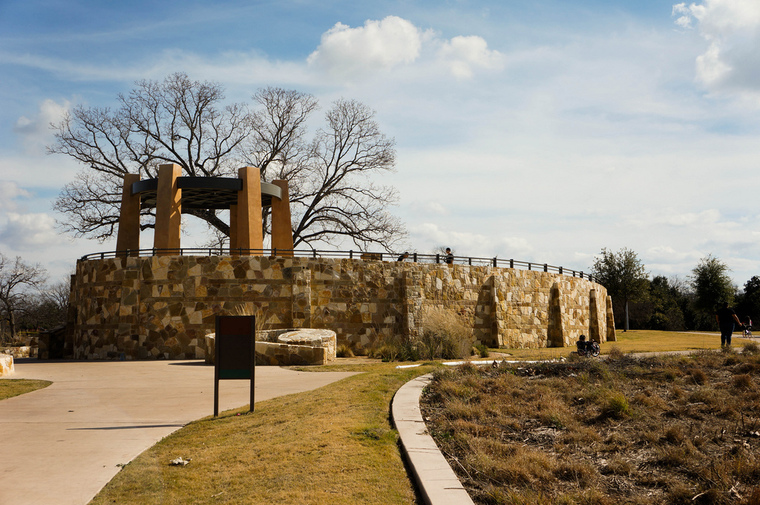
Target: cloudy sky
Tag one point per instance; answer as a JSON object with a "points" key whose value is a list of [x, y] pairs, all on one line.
{"points": [[537, 130]]}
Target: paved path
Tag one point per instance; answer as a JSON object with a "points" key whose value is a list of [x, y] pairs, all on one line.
{"points": [[60, 445]]}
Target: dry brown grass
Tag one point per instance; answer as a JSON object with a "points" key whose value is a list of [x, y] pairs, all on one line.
{"points": [[333, 445], [625, 430]]}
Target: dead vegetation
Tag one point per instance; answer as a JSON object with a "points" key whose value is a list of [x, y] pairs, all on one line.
{"points": [[625, 430]]}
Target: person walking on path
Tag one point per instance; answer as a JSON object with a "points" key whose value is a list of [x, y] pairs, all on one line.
{"points": [[449, 256], [726, 317]]}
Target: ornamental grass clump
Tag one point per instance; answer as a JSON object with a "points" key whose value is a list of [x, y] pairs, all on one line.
{"points": [[445, 335]]}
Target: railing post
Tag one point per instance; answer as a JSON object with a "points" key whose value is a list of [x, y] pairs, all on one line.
{"points": [[494, 261], [546, 267], [530, 267], [351, 254], [415, 257], [511, 263], [469, 261], [581, 275], [560, 270], [437, 258]]}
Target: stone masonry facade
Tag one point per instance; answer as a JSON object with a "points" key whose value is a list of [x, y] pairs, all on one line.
{"points": [[163, 306]]}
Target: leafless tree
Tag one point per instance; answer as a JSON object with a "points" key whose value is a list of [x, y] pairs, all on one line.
{"points": [[17, 279], [333, 197], [175, 121]]}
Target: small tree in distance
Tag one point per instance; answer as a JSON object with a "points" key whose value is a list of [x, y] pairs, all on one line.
{"points": [[712, 285], [624, 276], [16, 279]]}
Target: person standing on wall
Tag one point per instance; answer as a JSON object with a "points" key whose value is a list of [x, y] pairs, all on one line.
{"points": [[449, 256], [726, 317]]}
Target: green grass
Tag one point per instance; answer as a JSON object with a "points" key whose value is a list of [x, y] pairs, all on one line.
{"points": [[15, 387], [636, 341]]}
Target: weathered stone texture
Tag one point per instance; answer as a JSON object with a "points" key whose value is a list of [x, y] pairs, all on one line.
{"points": [[6, 364], [163, 306]]}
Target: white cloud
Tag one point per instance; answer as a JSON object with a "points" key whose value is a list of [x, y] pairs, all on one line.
{"points": [[470, 243], [9, 192], [732, 30], [346, 51], [461, 54], [35, 132], [28, 231], [354, 53]]}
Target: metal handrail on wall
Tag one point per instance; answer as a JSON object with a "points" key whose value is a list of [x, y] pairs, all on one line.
{"points": [[359, 255]]}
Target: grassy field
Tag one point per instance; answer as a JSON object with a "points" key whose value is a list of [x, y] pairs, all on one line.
{"points": [[626, 430], [329, 446], [15, 387], [637, 341], [334, 445]]}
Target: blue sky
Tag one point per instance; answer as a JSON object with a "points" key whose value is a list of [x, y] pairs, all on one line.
{"points": [[537, 130]]}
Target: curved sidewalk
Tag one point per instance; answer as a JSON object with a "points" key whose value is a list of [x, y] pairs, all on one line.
{"points": [[436, 481], [63, 443]]}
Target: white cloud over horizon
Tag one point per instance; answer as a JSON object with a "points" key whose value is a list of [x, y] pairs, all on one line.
{"points": [[732, 30], [621, 131]]}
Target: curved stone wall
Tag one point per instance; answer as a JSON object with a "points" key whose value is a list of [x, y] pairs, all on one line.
{"points": [[163, 306]]}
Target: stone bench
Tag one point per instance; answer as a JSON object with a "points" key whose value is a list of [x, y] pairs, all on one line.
{"points": [[306, 346], [6, 364]]}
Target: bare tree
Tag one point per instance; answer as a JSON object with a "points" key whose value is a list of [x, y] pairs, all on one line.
{"points": [[333, 197], [16, 280], [175, 121]]}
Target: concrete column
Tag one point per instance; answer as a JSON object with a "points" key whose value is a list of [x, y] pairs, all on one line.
{"points": [[611, 334], [282, 231], [233, 228], [250, 234], [128, 237], [168, 209], [594, 331]]}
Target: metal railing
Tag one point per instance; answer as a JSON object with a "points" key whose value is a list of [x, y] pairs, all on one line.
{"points": [[358, 255]]}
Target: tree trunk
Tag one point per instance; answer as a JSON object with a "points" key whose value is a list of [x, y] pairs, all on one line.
{"points": [[12, 325], [626, 316]]}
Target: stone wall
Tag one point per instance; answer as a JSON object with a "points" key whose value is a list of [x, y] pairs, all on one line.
{"points": [[163, 306]]}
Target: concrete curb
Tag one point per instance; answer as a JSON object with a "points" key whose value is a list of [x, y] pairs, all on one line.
{"points": [[436, 481]]}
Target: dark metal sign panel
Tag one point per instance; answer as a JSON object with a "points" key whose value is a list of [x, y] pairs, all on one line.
{"points": [[235, 352]]}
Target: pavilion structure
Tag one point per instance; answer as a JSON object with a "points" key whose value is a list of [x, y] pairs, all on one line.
{"points": [[170, 193]]}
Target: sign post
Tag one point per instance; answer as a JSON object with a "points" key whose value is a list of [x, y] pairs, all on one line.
{"points": [[235, 352]]}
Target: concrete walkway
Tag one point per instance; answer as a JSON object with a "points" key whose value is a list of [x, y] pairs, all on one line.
{"points": [[436, 481], [60, 445]]}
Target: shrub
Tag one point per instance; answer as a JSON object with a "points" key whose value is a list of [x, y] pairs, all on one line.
{"points": [[616, 405], [344, 351], [743, 381], [616, 353], [751, 349], [445, 335], [482, 350]]}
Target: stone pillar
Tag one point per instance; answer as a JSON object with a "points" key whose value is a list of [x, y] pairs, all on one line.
{"points": [[168, 210], [301, 298], [233, 228], [128, 237], [594, 332], [282, 231], [611, 334], [250, 234], [555, 333]]}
